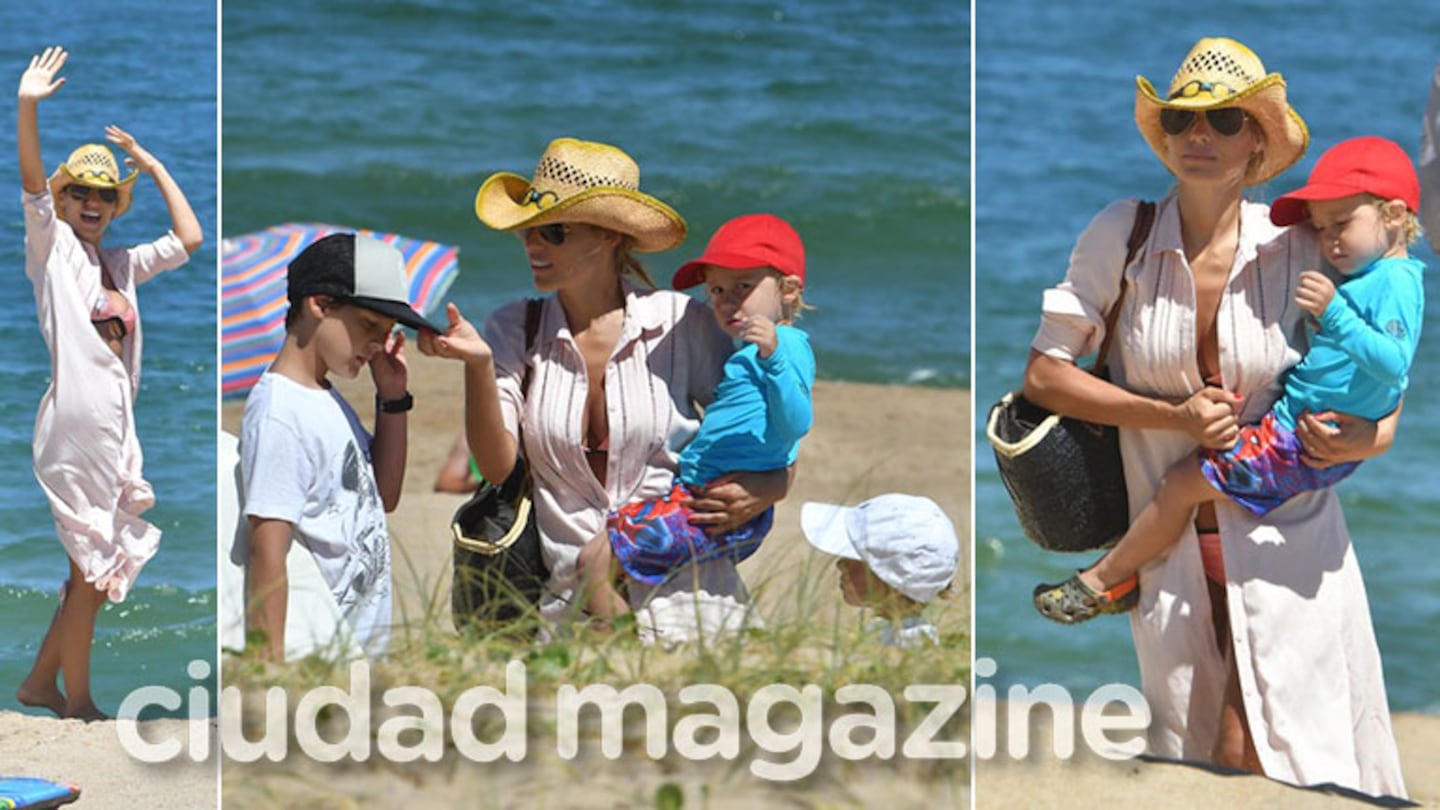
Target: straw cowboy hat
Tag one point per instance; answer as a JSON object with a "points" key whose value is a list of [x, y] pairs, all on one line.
{"points": [[93, 165], [1220, 72], [581, 181]]}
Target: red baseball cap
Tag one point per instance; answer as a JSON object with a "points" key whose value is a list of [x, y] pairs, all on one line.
{"points": [[752, 240], [1368, 165]]}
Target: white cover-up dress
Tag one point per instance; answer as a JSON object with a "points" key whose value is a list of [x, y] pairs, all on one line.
{"points": [[1302, 639], [87, 458]]}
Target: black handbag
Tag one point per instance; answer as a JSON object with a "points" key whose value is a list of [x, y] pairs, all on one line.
{"points": [[1065, 476], [499, 572]]}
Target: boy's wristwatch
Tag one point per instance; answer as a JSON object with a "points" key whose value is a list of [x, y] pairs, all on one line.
{"points": [[400, 405]]}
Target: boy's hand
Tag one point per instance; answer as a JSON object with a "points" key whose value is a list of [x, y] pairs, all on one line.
{"points": [[760, 330], [389, 370], [38, 81], [138, 158], [1315, 293], [461, 340]]}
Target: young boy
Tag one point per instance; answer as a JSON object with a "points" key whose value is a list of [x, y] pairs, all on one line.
{"points": [[1361, 200], [310, 473], [897, 553], [754, 272]]}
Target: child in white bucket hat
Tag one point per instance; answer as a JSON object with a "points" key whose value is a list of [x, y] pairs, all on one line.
{"points": [[898, 552]]}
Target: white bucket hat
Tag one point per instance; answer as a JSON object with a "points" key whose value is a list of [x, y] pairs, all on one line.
{"points": [[905, 540]]}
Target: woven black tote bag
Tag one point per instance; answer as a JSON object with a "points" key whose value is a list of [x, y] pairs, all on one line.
{"points": [[499, 573], [1065, 476]]}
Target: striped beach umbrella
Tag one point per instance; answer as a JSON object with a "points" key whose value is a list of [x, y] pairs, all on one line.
{"points": [[252, 291]]}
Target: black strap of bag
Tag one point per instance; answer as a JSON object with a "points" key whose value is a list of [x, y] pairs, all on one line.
{"points": [[499, 570], [1065, 477]]}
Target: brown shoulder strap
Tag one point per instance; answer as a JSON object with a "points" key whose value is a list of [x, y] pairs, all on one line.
{"points": [[1144, 218]]}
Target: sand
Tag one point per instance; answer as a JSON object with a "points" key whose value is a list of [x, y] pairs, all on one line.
{"points": [[90, 756], [1041, 781]]}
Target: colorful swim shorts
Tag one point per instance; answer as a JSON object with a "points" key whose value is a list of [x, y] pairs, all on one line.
{"points": [[1265, 468], [654, 537]]}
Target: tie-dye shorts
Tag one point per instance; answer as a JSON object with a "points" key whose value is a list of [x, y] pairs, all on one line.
{"points": [[654, 537], [1265, 468]]}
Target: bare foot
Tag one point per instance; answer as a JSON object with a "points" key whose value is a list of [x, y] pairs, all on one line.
{"points": [[88, 712], [42, 698]]}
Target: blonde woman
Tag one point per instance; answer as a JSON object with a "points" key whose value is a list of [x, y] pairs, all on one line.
{"points": [[619, 372], [87, 458], [1253, 634]]}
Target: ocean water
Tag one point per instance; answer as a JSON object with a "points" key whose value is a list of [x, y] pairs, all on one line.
{"points": [[1055, 141], [850, 119], [149, 67]]}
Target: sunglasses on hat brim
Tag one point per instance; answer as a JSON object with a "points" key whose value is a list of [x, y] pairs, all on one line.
{"points": [[1226, 121], [80, 193]]}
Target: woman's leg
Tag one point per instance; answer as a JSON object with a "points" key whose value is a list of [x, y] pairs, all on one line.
{"points": [[39, 689], [75, 626], [1157, 527], [1234, 747]]}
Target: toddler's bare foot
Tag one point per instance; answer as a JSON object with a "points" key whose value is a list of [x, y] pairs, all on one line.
{"points": [[42, 697]]}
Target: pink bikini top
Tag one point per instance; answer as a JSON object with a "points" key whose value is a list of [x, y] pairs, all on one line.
{"points": [[106, 311]]}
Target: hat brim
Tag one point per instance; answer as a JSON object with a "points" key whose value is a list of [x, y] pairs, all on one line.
{"points": [[654, 225], [62, 179], [692, 272], [826, 527], [403, 313], [1289, 208], [1286, 136]]}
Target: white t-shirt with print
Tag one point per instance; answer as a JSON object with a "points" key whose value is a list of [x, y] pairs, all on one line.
{"points": [[305, 459]]}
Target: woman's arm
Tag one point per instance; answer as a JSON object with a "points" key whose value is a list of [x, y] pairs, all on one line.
{"points": [[1349, 438], [37, 83], [182, 216], [1208, 416], [492, 445]]}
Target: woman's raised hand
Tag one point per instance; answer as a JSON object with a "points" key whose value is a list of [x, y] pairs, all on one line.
{"points": [[137, 157], [461, 340], [1209, 417], [39, 81]]}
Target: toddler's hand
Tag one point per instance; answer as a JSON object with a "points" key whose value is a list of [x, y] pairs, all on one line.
{"points": [[1315, 293], [760, 330]]}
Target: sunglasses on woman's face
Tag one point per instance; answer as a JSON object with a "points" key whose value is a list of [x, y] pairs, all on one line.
{"points": [[1226, 121], [554, 233], [80, 193]]}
